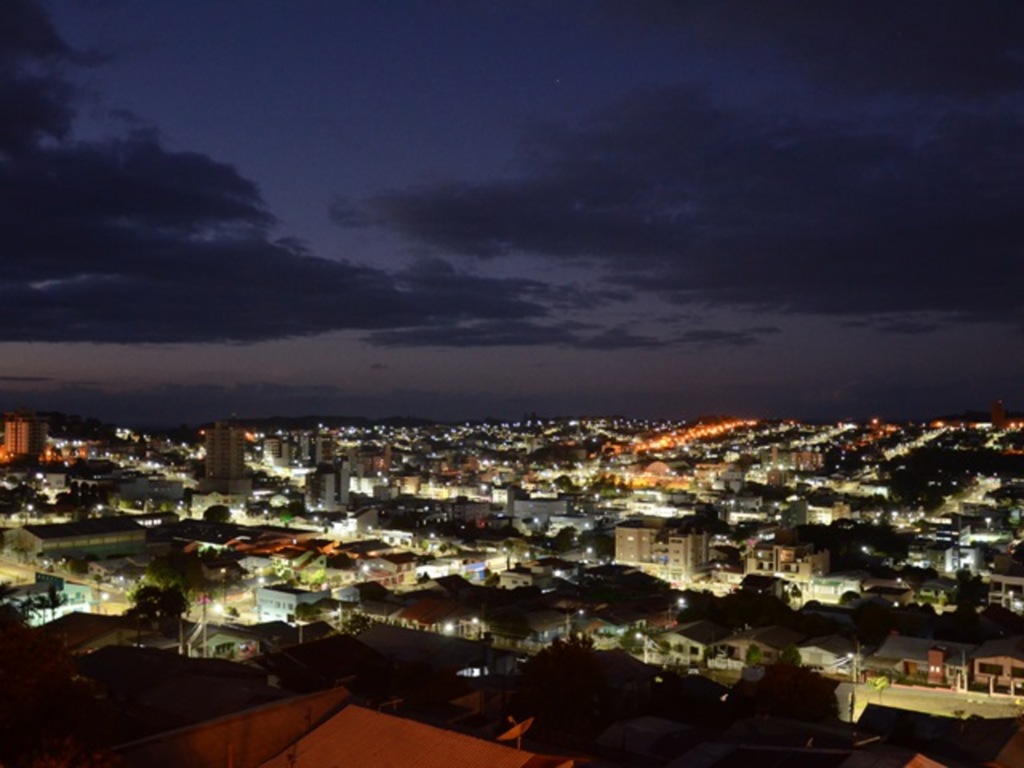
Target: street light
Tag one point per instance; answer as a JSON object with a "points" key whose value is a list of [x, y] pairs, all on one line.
{"points": [[644, 640]]}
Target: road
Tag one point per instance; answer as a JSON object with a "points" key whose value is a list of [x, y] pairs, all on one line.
{"points": [[114, 601], [16, 573], [935, 702]]}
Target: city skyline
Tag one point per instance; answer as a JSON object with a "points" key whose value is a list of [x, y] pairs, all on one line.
{"points": [[457, 211]]}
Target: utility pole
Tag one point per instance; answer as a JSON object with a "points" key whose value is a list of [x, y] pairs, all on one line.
{"points": [[206, 644], [855, 677]]}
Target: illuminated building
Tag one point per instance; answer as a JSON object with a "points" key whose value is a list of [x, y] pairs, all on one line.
{"points": [[1000, 420], [673, 550], [225, 459], [24, 435], [327, 488]]}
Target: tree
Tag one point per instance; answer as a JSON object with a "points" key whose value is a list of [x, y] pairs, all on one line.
{"points": [[603, 546], [791, 655], [178, 569], [565, 484], [47, 715], [50, 602], [754, 655], [564, 687], [355, 623], [796, 692], [313, 576], [874, 623], [217, 513], [564, 539], [307, 612], [151, 602], [970, 589]]}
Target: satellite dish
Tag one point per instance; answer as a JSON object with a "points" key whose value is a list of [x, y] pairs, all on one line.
{"points": [[516, 731]]}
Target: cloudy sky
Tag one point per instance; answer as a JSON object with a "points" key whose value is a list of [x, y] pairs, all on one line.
{"points": [[472, 208]]}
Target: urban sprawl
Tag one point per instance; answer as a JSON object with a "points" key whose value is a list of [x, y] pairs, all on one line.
{"points": [[544, 592]]}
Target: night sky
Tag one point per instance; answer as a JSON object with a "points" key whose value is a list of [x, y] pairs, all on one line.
{"points": [[478, 208]]}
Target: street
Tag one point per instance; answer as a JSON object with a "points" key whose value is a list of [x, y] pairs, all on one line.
{"points": [[935, 702], [114, 600]]}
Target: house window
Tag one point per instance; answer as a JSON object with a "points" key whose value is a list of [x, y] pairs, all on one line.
{"points": [[1017, 672], [990, 669]]}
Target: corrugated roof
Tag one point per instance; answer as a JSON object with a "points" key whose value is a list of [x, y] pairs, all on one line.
{"points": [[89, 527], [244, 740], [368, 739]]}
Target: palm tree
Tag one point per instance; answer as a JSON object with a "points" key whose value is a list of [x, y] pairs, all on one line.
{"points": [[10, 611], [51, 601]]}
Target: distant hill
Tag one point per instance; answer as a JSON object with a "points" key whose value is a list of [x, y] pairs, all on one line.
{"points": [[269, 423]]}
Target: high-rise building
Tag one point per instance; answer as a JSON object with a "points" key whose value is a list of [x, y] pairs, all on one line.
{"points": [[1000, 420], [327, 488], [24, 435], [225, 457], [672, 549], [277, 452]]}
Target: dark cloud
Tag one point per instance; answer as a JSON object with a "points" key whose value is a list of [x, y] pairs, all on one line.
{"points": [[569, 334], [933, 46], [125, 241], [911, 211], [33, 97], [710, 337], [908, 325], [345, 213], [25, 379], [508, 333]]}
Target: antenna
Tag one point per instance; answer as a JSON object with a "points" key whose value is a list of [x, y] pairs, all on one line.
{"points": [[516, 731]]}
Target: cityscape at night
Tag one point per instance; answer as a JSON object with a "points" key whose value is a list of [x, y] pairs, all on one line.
{"points": [[626, 384]]}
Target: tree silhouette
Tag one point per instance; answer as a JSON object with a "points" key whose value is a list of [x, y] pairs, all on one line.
{"points": [[151, 602], [564, 687], [217, 513], [47, 715], [791, 655], [796, 692]]}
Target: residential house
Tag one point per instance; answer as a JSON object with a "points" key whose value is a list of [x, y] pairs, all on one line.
{"points": [[87, 632], [831, 587], [691, 643], [325, 663], [786, 559], [769, 643], [280, 601], [923, 660], [467, 658], [391, 570], [532, 575], [298, 563], [1006, 590], [436, 614], [764, 584], [830, 653], [999, 664], [940, 590]]}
